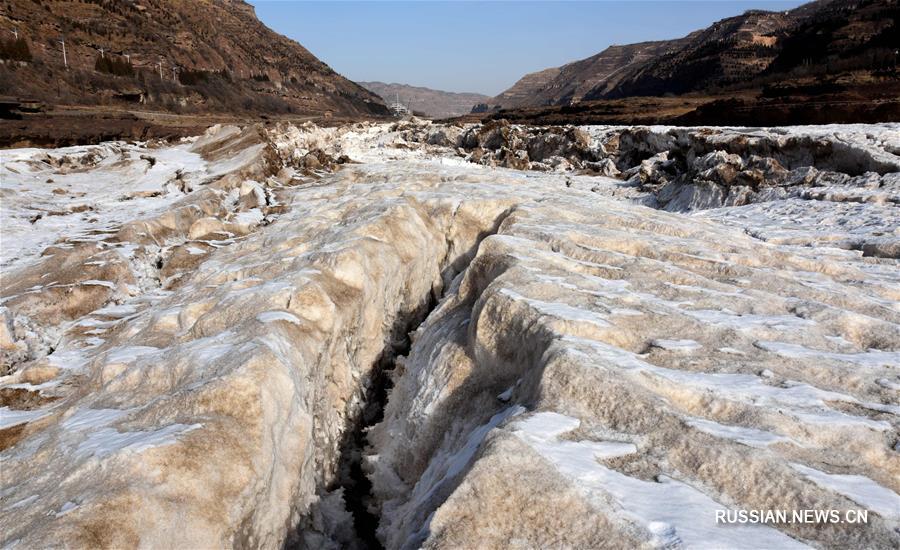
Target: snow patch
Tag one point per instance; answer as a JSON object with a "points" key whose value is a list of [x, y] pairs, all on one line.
{"points": [[674, 513], [859, 489], [273, 316]]}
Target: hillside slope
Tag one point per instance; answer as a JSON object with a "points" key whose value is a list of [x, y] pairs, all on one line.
{"points": [[526, 89], [824, 47], [820, 40], [433, 103], [729, 51], [569, 83], [176, 55]]}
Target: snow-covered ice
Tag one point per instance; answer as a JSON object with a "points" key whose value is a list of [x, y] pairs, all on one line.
{"points": [[86, 192], [198, 343]]}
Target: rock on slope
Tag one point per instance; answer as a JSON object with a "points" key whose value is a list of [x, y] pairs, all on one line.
{"points": [[571, 82], [582, 371], [825, 46], [730, 51], [842, 44], [431, 103], [228, 60], [526, 88]]}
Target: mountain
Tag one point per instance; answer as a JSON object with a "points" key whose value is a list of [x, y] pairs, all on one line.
{"points": [[432, 103], [526, 90], [602, 71], [856, 41], [570, 83], [730, 51], [828, 46], [176, 55]]}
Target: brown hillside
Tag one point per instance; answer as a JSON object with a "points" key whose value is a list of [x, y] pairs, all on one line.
{"points": [[429, 102], [175, 55], [837, 51]]}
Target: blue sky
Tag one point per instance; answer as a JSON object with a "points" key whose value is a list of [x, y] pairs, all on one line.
{"points": [[481, 46]]}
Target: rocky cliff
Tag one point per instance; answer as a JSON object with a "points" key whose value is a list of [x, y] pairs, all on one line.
{"points": [[570, 83], [182, 56], [425, 101], [815, 43], [526, 90], [841, 52]]}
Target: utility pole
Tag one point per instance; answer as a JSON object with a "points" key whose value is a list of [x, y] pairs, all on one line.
{"points": [[128, 57], [16, 32], [174, 71], [65, 59], [160, 68], [101, 53]]}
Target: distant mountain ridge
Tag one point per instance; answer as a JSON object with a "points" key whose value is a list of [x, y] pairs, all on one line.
{"points": [[604, 70], [571, 82], [430, 102], [528, 90], [853, 42], [176, 55]]}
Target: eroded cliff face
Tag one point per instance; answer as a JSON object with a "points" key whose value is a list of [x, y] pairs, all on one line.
{"points": [[558, 363], [198, 57]]}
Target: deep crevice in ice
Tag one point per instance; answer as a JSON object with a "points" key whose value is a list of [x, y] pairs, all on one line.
{"points": [[585, 293], [356, 485], [352, 482]]}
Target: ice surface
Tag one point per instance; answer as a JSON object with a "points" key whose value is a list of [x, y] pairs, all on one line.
{"points": [[110, 179], [861, 489], [747, 436], [683, 345], [873, 358], [675, 513], [10, 417], [592, 365], [103, 441], [272, 316]]}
